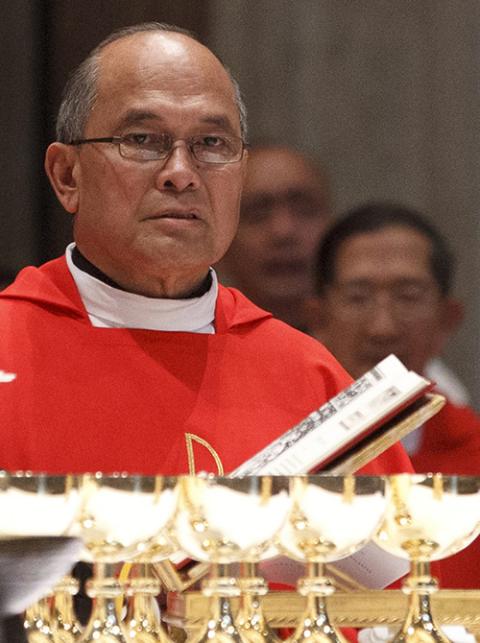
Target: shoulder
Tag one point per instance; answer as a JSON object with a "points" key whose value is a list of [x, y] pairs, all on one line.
{"points": [[454, 424], [295, 354], [39, 307], [450, 442], [49, 287], [460, 415]]}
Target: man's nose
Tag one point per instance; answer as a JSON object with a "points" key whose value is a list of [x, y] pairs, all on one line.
{"points": [[383, 322], [283, 223], [179, 171]]}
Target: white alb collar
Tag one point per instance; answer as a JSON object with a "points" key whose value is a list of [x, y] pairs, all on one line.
{"points": [[109, 307]]}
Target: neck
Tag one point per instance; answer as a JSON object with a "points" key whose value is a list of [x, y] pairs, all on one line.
{"points": [[189, 293]]}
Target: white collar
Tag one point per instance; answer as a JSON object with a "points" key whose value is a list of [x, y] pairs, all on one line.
{"points": [[109, 307]]}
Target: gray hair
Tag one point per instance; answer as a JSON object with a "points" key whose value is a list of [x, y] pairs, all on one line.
{"points": [[80, 92]]}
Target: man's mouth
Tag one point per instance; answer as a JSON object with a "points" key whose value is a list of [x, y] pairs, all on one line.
{"points": [[183, 215]]}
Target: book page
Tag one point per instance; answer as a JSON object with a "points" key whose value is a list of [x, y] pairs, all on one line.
{"points": [[338, 422], [371, 567]]}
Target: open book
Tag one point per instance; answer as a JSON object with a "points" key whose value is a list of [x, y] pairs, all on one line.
{"points": [[340, 423], [340, 437]]}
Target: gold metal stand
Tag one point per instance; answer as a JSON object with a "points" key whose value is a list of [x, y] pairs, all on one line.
{"points": [[347, 609]]}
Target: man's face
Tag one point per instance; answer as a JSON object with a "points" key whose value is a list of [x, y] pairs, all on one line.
{"points": [[156, 226], [384, 300], [284, 212]]}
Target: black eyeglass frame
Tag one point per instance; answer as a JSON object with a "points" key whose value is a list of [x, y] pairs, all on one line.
{"points": [[118, 140]]}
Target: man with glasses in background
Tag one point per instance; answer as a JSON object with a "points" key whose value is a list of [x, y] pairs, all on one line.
{"points": [[384, 285], [126, 354]]}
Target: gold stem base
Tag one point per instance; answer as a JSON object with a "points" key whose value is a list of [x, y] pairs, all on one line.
{"points": [[104, 625], [419, 626]]}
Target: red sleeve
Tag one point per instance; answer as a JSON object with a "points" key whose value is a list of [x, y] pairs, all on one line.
{"points": [[450, 442]]}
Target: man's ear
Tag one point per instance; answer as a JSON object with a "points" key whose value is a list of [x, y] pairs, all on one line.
{"points": [[62, 168], [244, 164], [316, 316], [453, 314]]}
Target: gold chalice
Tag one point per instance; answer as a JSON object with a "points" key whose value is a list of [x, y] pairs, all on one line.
{"points": [[37, 504], [142, 621], [250, 618], [66, 627], [36, 513], [224, 521], [332, 517], [121, 514], [428, 517]]}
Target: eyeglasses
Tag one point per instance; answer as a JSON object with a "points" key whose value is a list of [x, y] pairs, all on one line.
{"points": [[207, 148], [408, 302], [301, 202]]}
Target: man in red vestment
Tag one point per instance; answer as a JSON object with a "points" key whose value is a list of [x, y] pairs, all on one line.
{"points": [[126, 354], [384, 277]]}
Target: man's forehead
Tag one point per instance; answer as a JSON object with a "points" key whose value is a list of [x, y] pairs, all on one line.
{"points": [[392, 253], [145, 57], [159, 45], [150, 74]]}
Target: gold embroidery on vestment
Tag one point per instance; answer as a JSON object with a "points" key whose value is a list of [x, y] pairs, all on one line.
{"points": [[190, 438]]}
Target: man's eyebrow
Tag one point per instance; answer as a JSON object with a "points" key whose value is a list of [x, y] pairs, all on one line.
{"points": [[219, 120], [356, 282], [137, 116], [134, 116], [395, 282]]}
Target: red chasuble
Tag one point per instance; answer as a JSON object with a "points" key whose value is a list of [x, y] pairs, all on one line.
{"points": [[99, 399], [451, 444]]}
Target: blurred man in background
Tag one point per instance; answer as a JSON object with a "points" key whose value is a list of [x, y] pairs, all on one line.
{"points": [[384, 279], [285, 209]]}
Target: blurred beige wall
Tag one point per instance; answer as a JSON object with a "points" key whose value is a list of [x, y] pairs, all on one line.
{"points": [[387, 94]]}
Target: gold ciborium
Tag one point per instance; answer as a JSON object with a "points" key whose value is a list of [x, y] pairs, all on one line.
{"points": [[428, 517], [224, 521], [332, 517], [120, 515], [36, 513]]}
